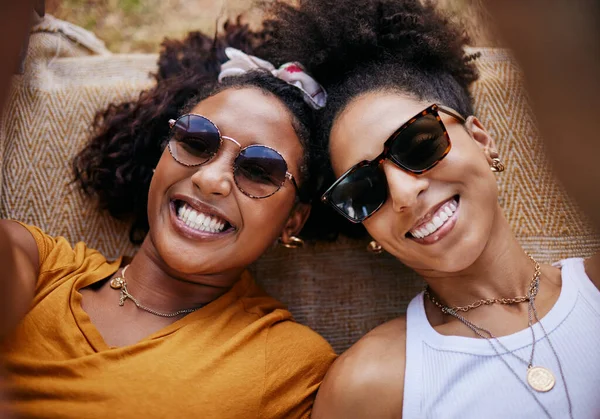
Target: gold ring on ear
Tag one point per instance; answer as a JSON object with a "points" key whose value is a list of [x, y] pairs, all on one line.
{"points": [[374, 247], [497, 165], [295, 243]]}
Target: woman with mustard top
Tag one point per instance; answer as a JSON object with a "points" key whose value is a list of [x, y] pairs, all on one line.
{"points": [[495, 334], [211, 166]]}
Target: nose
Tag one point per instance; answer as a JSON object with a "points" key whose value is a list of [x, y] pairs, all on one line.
{"points": [[403, 187], [216, 176]]}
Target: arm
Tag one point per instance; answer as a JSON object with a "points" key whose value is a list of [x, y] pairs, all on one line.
{"points": [[367, 381], [557, 44], [3, 396], [15, 21], [19, 262]]}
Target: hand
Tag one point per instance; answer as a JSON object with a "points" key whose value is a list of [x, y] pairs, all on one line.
{"points": [[3, 396], [15, 22], [557, 44]]}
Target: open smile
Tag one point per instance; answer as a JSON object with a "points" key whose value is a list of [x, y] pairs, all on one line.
{"points": [[436, 224], [196, 221]]}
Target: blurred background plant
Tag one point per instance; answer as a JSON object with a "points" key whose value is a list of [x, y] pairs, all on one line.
{"points": [[141, 25]]}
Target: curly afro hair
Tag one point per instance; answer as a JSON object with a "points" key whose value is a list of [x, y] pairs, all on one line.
{"points": [[357, 46], [115, 167]]}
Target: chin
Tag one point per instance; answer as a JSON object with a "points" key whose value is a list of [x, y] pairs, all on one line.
{"points": [[455, 257]]}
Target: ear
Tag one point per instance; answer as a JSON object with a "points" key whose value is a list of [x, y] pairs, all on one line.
{"points": [[295, 221], [481, 137]]}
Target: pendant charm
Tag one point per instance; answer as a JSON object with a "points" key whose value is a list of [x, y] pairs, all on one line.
{"points": [[123, 297], [116, 283], [540, 379]]}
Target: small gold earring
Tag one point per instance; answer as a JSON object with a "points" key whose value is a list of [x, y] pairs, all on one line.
{"points": [[497, 165], [295, 243], [374, 247]]}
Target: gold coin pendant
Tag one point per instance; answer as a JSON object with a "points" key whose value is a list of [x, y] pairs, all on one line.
{"points": [[540, 379]]}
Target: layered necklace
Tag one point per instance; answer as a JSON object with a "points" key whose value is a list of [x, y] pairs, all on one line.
{"points": [[538, 378], [120, 283]]}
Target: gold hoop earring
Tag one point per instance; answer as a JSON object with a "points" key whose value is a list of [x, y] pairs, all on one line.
{"points": [[295, 243], [497, 165], [374, 247]]}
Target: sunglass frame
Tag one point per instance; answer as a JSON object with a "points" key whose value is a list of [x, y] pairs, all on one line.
{"points": [[433, 109], [288, 175]]}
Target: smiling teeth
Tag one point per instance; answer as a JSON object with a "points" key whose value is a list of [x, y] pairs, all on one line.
{"points": [[438, 220], [199, 221]]}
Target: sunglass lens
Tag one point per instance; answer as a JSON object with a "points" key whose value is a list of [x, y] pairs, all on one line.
{"points": [[194, 140], [421, 145], [360, 193], [259, 171]]}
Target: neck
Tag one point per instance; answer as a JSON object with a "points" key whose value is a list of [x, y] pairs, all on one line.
{"points": [[503, 269], [163, 288]]}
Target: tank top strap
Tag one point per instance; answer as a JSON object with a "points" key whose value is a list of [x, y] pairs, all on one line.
{"points": [[574, 276]]}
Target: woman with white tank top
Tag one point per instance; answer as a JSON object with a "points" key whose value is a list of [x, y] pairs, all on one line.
{"points": [[495, 334]]}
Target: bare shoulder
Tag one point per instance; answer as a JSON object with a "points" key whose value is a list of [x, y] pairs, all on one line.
{"points": [[19, 238], [368, 379], [19, 262], [592, 269]]}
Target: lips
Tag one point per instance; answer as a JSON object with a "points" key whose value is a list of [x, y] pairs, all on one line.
{"points": [[199, 217], [435, 220]]}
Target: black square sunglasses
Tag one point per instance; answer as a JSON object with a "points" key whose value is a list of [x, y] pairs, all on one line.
{"points": [[417, 146]]}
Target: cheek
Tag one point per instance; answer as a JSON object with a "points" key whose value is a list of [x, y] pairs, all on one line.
{"points": [[265, 220], [479, 187], [382, 227], [467, 158], [165, 174], [263, 224]]}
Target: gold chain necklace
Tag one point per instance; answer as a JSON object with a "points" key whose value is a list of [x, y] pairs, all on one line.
{"points": [[489, 301], [119, 283], [541, 379]]}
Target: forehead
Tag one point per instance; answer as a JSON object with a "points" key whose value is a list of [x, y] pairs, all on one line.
{"points": [[251, 116], [359, 132]]}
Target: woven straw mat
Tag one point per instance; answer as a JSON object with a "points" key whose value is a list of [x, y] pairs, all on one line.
{"points": [[338, 289]]}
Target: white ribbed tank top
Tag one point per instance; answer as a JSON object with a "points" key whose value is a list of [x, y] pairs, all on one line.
{"points": [[461, 377]]}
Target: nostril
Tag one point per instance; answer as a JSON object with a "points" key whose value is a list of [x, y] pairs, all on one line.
{"points": [[398, 207]]}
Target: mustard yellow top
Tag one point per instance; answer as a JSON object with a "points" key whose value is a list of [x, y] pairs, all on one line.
{"points": [[241, 356]]}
